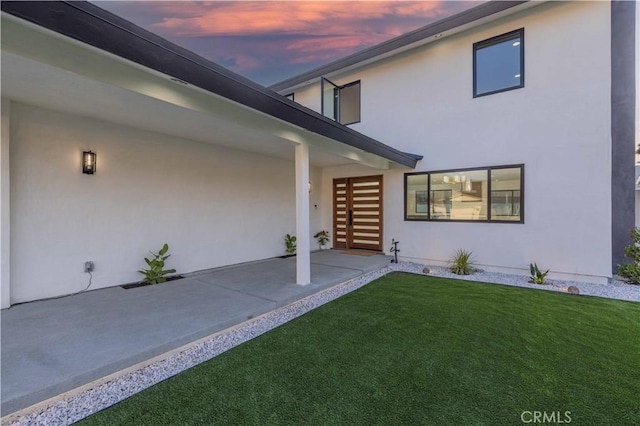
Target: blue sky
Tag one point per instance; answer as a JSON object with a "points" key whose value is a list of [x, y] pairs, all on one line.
{"points": [[268, 41]]}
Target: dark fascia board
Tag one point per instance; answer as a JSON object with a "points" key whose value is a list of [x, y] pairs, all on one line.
{"points": [[463, 18], [89, 24]]}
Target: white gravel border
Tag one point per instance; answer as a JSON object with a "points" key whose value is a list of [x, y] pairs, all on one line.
{"points": [[67, 409]]}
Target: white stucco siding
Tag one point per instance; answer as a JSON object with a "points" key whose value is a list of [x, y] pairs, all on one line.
{"points": [[309, 96], [214, 206], [558, 126]]}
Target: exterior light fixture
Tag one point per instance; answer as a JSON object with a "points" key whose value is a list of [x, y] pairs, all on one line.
{"points": [[88, 162]]}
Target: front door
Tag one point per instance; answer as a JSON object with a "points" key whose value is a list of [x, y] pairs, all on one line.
{"points": [[357, 213]]}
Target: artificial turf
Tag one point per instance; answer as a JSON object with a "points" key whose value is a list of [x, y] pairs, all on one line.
{"points": [[408, 349]]}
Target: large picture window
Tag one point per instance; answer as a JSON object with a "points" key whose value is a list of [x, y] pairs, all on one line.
{"points": [[490, 194], [498, 64]]}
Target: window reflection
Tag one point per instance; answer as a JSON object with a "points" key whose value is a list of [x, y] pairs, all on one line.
{"points": [[490, 194], [460, 195], [498, 63]]}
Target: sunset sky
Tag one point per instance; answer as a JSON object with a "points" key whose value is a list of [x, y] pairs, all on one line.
{"points": [[268, 41]]}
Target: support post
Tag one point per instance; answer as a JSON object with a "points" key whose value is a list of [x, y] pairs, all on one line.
{"points": [[5, 277], [303, 257]]}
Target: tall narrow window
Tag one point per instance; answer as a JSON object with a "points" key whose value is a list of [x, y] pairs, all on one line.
{"points": [[498, 64], [341, 103], [505, 194]]}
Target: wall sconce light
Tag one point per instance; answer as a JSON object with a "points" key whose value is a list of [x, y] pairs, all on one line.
{"points": [[88, 162]]}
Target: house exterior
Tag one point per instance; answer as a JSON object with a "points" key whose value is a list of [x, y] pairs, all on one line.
{"points": [[525, 115], [187, 153], [412, 140]]}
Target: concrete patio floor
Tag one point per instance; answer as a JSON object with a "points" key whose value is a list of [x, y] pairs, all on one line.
{"points": [[52, 346]]}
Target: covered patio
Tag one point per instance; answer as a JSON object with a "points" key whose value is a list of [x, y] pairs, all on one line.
{"points": [[208, 155], [53, 346]]}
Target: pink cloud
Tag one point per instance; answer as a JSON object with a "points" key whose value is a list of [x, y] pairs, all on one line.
{"points": [[250, 35], [198, 19]]}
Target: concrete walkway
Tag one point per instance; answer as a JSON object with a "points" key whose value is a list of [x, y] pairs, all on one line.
{"points": [[53, 346]]}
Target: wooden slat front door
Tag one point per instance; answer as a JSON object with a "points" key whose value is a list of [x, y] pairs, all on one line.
{"points": [[357, 213]]}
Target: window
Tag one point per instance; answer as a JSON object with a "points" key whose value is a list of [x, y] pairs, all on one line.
{"points": [[490, 194], [341, 103], [290, 96], [498, 64]]}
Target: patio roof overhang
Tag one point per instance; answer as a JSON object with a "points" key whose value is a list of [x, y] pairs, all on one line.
{"points": [[76, 57]]}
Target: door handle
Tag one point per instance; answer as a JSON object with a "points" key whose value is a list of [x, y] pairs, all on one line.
{"points": [[350, 217]]}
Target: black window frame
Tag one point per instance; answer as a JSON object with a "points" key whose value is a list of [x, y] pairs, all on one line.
{"points": [[519, 33], [336, 100], [470, 169], [291, 96]]}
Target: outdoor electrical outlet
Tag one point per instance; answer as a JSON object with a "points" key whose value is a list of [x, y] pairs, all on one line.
{"points": [[88, 267]]}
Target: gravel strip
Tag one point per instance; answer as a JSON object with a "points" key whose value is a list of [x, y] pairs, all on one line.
{"points": [[616, 289], [72, 409]]}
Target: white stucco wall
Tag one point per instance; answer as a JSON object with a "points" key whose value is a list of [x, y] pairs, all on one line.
{"points": [[558, 125], [214, 206]]}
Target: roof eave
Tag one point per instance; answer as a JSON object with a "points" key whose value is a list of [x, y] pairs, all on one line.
{"points": [[89, 24]]}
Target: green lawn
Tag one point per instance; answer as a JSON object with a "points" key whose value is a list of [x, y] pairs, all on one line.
{"points": [[410, 349]]}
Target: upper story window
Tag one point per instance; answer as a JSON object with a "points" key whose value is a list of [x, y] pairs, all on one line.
{"points": [[290, 96], [341, 103], [488, 194], [498, 64]]}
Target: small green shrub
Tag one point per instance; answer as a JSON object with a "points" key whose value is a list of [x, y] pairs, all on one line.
{"points": [[537, 276], [631, 271], [322, 237], [155, 274], [461, 263], [290, 243]]}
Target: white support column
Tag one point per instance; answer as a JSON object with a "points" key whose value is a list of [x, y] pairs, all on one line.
{"points": [[303, 257], [5, 284]]}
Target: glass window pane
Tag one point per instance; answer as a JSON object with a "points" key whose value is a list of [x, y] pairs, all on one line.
{"points": [[329, 94], [459, 195], [498, 66], [506, 203], [349, 108], [417, 197]]}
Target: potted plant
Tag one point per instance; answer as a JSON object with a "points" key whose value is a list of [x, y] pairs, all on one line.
{"points": [[323, 239]]}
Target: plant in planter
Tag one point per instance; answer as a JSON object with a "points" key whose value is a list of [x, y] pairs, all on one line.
{"points": [[290, 244], [537, 276], [156, 274], [323, 238], [461, 263]]}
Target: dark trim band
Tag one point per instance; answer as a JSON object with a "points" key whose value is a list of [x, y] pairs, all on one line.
{"points": [[623, 109]]}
